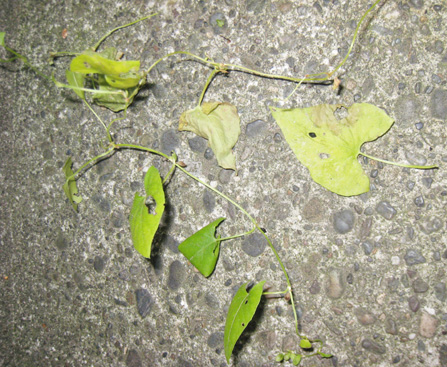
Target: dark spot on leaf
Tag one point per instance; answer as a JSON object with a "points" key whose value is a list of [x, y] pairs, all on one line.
{"points": [[324, 155], [243, 324], [87, 65], [113, 81], [246, 301], [312, 135]]}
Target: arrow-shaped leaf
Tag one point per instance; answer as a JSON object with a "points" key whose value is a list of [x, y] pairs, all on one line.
{"points": [[146, 212], [202, 248], [241, 311]]}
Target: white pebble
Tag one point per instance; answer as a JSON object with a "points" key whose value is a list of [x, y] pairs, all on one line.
{"points": [[395, 260]]}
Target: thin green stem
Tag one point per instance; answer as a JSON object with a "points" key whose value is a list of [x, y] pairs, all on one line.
{"points": [[168, 175], [272, 293], [210, 78], [95, 47], [26, 62], [102, 155], [238, 235], [100, 120], [397, 164], [97, 91]]}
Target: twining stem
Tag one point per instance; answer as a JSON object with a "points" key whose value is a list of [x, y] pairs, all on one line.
{"points": [[227, 198], [95, 47], [99, 119], [397, 164], [210, 78]]}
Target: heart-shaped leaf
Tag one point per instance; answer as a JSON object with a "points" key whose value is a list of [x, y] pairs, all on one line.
{"points": [[202, 248], [146, 212], [329, 146], [241, 311], [220, 124]]}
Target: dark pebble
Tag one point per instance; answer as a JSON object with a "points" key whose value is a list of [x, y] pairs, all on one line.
{"points": [[133, 359], [431, 225], [277, 137], [413, 257], [144, 302], [421, 346], [407, 109], [419, 201], [197, 144], [169, 141], [176, 275], [343, 221], [413, 303], [385, 209], [417, 87], [373, 347], [254, 244], [420, 286], [99, 264], [225, 176], [209, 154], [315, 287], [212, 301], [390, 326], [367, 247], [258, 127], [396, 359], [102, 203]]}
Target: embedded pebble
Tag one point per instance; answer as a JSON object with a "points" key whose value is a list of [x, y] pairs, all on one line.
{"points": [[343, 221], [102, 203], [439, 104], [215, 339], [133, 359], [212, 301], [413, 257], [144, 302], [254, 244], [413, 303], [373, 347], [225, 176], [440, 291], [420, 286], [419, 201], [315, 287], [177, 274], [171, 243], [415, 158], [367, 247], [365, 227], [197, 144], [335, 284], [421, 346], [209, 154], [390, 326], [407, 109], [258, 127], [364, 317], [385, 209], [430, 225], [209, 201], [169, 141], [314, 210], [99, 264], [395, 260], [428, 325], [218, 22]]}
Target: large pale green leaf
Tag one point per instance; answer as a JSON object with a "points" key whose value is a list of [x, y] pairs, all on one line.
{"points": [[241, 311], [90, 62], [146, 213], [220, 124], [202, 248], [328, 146], [76, 80], [70, 188]]}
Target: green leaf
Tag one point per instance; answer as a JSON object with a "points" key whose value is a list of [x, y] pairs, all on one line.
{"points": [[279, 357], [287, 356], [2, 39], [70, 188], [241, 311], [305, 344], [146, 212], [220, 124], [76, 80], [296, 359], [202, 248], [220, 22], [90, 62], [123, 81], [329, 147]]}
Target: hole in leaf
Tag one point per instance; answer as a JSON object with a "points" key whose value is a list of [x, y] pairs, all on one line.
{"points": [[324, 155], [243, 324], [246, 301], [341, 113], [87, 65], [150, 204], [312, 135]]}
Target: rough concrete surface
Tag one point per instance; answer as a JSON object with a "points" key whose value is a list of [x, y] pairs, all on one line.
{"points": [[369, 272]]}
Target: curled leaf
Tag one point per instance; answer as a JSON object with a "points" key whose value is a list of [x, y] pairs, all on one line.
{"points": [[70, 188], [220, 124], [91, 62], [328, 146]]}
